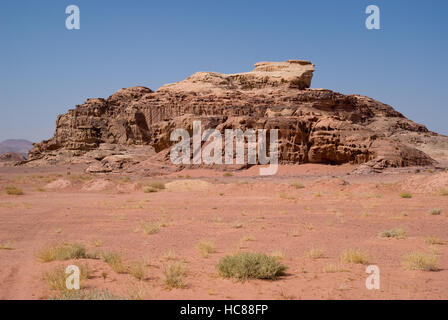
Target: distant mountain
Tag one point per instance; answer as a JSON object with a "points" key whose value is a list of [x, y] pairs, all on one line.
{"points": [[16, 146]]}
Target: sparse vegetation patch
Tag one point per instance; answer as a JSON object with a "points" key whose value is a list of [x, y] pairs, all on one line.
{"points": [[315, 253], [114, 261], [15, 191], [435, 212], [397, 233], [357, 256], [405, 195], [244, 266], [174, 275], [421, 261], [62, 251], [205, 248]]}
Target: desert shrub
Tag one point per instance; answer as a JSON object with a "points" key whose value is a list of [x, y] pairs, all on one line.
{"points": [[421, 261], [157, 185], [308, 226], [243, 266], [443, 192], [154, 186], [433, 240], [205, 248], [285, 196], [227, 174], [278, 254], [170, 255], [174, 275], [297, 185], [149, 227], [114, 261], [62, 251], [397, 233], [248, 238], [94, 254], [354, 256], [6, 246], [11, 190], [149, 189], [435, 212], [136, 291], [315, 253], [406, 195], [137, 269]]}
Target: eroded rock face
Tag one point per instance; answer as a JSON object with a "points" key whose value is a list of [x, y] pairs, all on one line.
{"points": [[315, 125]]}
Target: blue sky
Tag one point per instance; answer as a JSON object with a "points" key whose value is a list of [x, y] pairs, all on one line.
{"points": [[47, 69]]}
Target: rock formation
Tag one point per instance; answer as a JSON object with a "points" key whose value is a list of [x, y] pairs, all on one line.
{"points": [[134, 124], [11, 157]]}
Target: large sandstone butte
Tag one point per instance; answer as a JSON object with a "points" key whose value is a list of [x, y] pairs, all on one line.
{"points": [[132, 127]]}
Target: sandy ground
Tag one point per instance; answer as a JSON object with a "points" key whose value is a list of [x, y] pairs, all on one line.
{"points": [[242, 212]]}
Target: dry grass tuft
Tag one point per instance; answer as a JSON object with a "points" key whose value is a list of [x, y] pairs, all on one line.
{"points": [[62, 251], [137, 269], [406, 195], [154, 186], [205, 248], [174, 275], [435, 212], [315, 253], [354, 256], [421, 261], [149, 228], [432, 240], [443, 192], [6, 246], [297, 185], [114, 261], [397, 233], [15, 191], [169, 256]]}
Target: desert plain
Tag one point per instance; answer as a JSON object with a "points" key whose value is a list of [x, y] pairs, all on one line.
{"points": [[305, 217]]}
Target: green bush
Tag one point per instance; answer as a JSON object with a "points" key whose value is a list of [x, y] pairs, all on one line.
{"points": [[243, 266]]}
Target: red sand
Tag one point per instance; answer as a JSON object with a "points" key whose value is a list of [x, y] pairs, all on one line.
{"points": [[275, 216]]}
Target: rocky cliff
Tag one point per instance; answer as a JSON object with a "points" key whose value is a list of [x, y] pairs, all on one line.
{"points": [[315, 125]]}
